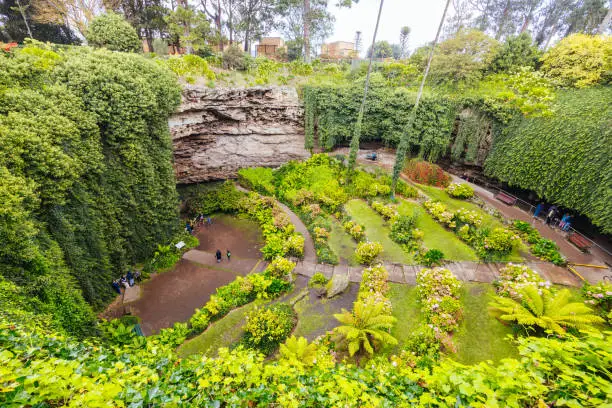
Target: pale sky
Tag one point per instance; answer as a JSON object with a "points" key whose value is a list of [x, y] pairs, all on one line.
{"points": [[422, 16]]}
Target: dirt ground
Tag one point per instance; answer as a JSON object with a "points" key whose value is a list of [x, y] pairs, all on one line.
{"points": [[172, 296], [242, 237]]}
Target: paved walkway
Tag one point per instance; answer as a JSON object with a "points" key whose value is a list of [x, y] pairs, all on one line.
{"points": [[464, 271]]}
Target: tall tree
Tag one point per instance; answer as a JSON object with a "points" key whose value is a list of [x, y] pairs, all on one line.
{"points": [[404, 140], [188, 27], [404, 34], [76, 14], [213, 10], [320, 22], [147, 17], [354, 148], [256, 19], [13, 26], [382, 49], [605, 23], [460, 19]]}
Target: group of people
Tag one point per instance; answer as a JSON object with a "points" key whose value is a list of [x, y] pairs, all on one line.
{"points": [[125, 281], [552, 217], [219, 255], [190, 225]]}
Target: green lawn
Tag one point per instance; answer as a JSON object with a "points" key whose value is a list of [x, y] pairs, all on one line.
{"points": [[488, 220], [480, 337], [436, 236], [377, 230], [221, 333], [406, 310], [342, 243]]}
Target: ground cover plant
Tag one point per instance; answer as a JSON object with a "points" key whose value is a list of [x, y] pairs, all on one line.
{"points": [[542, 248]]}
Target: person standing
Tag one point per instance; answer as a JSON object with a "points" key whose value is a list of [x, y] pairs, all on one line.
{"points": [[209, 220], [229, 254], [567, 223], [116, 286], [538, 210], [130, 278], [551, 215], [218, 255], [188, 227]]}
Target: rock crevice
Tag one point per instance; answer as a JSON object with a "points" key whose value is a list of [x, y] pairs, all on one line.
{"points": [[216, 132]]}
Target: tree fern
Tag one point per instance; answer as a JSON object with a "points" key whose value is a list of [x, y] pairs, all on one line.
{"points": [[544, 310]]}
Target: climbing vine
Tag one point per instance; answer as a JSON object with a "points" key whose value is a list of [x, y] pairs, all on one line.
{"points": [[473, 127], [565, 158]]}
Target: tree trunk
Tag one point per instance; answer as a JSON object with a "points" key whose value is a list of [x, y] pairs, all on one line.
{"points": [[230, 22], [606, 21], [149, 39], [218, 24], [306, 18], [403, 144], [502, 23], [25, 20], [357, 135]]}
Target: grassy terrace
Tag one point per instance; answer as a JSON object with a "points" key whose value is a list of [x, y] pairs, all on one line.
{"points": [[377, 230], [342, 243], [436, 236]]}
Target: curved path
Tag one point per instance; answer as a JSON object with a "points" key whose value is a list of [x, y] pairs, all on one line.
{"points": [[310, 254]]}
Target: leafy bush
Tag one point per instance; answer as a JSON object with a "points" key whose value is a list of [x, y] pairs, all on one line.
{"points": [[514, 277], [367, 252], [500, 241], [388, 212], [527, 232], [189, 65], [438, 291], [426, 173], [280, 267], [401, 230], [266, 328], [321, 234], [548, 250], [433, 257], [234, 58], [373, 288], [357, 231], [461, 191], [112, 31], [406, 190], [318, 279], [294, 245], [600, 297], [260, 179]]}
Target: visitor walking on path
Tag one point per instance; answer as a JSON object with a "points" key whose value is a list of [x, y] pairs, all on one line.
{"points": [[188, 227], [209, 220], [130, 278], [538, 210], [551, 215], [218, 256], [229, 254]]}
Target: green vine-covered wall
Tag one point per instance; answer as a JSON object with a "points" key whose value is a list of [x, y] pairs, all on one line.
{"points": [[385, 118], [87, 186], [566, 158]]}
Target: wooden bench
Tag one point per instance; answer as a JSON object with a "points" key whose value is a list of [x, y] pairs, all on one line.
{"points": [[579, 241], [506, 199]]}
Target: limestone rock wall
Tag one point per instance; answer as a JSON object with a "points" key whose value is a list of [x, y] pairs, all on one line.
{"points": [[216, 132]]}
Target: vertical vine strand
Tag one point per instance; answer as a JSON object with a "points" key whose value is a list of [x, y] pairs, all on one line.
{"points": [[403, 144]]}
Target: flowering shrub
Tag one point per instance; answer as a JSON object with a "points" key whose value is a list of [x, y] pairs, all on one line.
{"points": [[318, 279], [599, 296], [438, 291], [500, 241], [374, 287], [461, 191], [438, 211], [526, 231], [367, 252], [387, 211], [266, 328], [406, 190], [426, 173], [280, 268], [357, 231], [466, 217], [321, 234], [513, 277]]}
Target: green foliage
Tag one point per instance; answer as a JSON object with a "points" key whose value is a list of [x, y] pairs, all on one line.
{"points": [[266, 328], [367, 252], [566, 158], [579, 60], [188, 66], [298, 352], [401, 230], [549, 251], [432, 257], [438, 291], [260, 179], [388, 211], [512, 278], [210, 198], [92, 186], [385, 117], [188, 27], [516, 52], [234, 58], [318, 279], [461, 191], [112, 31], [463, 58], [280, 268], [357, 231], [600, 297], [539, 308], [500, 241], [366, 328], [406, 190]]}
